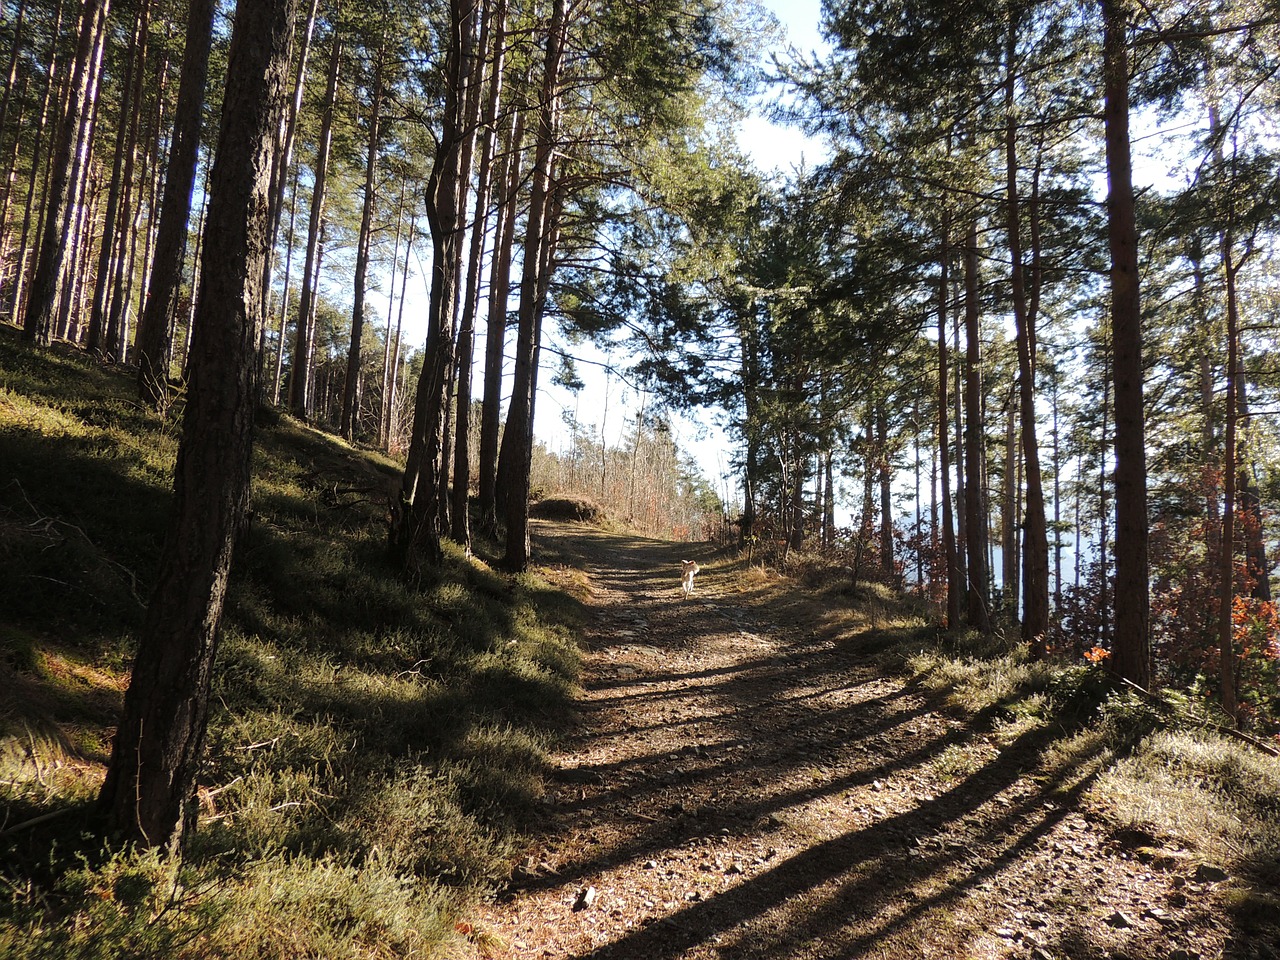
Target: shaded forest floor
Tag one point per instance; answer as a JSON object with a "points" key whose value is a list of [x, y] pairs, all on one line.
{"points": [[758, 774]]}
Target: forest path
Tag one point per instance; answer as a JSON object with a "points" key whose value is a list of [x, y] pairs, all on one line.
{"points": [[745, 781]]}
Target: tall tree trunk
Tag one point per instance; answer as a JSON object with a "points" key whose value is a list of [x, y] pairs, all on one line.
{"points": [[393, 389], [1057, 500], [68, 171], [1226, 558], [123, 232], [175, 213], [282, 323], [1210, 459], [950, 557], [351, 389], [496, 21], [384, 402], [533, 284], [1009, 511], [52, 79], [1132, 651], [112, 237], [978, 608], [1035, 539], [416, 533], [1249, 502], [281, 160], [148, 794], [301, 378], [9, 174], [885, 470], [496, 325]]}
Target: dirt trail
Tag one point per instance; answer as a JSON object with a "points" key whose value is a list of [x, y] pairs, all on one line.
{"points": [[744, 787]]}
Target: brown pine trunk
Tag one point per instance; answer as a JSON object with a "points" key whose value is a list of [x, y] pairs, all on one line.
{"points": [[148, 795], [887, 565], [384, 402], [533, 284], [496, 326], [68, 171], [1226, 557], [1132, 649], [175, 213], [9, 174], [466, 331], [393, 390], [954, 581], [282, 322], [1035, 539], [122, 231], [281, 160], [53, 73], [302, 376], [351, 389], [416, 534], [977, 609], [1009, 511]]}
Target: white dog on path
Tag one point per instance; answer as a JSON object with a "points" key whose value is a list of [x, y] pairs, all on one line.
{"points": [[688, 570]]}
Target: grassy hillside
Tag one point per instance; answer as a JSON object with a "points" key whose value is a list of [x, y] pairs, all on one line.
{"points": [[374, 748]]}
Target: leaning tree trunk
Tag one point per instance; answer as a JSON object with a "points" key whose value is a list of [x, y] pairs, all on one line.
{"points": [[67, 170], [175, 211], [148, 795], [1132, 650]]}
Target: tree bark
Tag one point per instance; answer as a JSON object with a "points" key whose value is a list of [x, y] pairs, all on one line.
{"points": [[1132, 650], [175, 212], [977, 608], [887, 564], [496, 326], [954, 581], [122, 232], [461, 518], [538, 235], [351, 389], [69, 160], [149, 789], [301, 385], [281, 160], [416, 533]]}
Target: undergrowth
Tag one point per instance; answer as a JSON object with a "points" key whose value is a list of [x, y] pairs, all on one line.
{"points": [[1147, 765], [374, 752]]}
